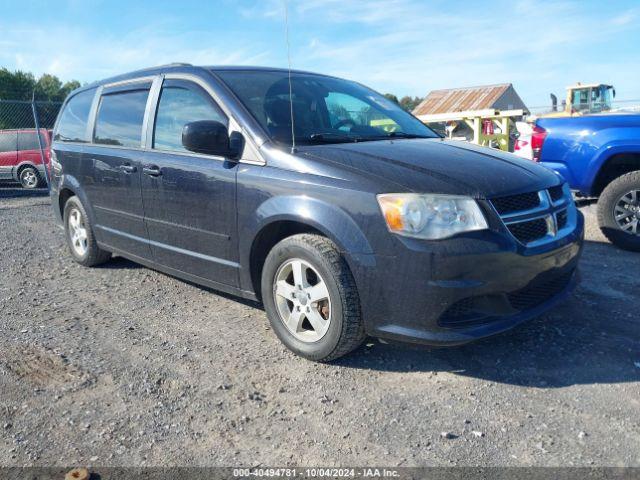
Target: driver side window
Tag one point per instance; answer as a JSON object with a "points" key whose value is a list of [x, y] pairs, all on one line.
{"points": [[178, 106]]}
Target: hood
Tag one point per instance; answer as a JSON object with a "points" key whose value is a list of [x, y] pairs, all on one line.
{"points": [[439, 166]]}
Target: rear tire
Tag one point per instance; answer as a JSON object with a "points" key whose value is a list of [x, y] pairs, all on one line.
{"points": [[619, 211], [311, 298], [79, 235], [29, 178]]}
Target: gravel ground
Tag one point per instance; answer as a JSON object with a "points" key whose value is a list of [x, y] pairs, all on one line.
{"points": [[121, 365]]}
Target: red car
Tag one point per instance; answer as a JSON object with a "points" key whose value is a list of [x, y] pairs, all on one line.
{"points": [[20, 156]]}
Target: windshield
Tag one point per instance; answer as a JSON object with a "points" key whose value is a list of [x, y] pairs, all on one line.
{"points": [[325, 109], [601, 99]]}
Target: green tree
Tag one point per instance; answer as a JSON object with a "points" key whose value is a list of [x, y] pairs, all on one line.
{"points": [[16, 85], [19, 85], [48, 88], [392, 97], [409, 103], [68, 87]]}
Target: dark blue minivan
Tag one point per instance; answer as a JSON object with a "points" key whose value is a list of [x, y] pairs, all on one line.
{"points": [[343, 214]]}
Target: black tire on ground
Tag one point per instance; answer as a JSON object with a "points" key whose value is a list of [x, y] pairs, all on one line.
{"points": [[606, 211], [29, 178], [93, 254], [346, 329]]}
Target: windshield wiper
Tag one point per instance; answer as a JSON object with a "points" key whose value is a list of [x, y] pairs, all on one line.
{"points": [[405, 135], [332, 137]]}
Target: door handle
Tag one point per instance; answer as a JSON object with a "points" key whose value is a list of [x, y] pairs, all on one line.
{"points": [[152, 170], [126, 168]]}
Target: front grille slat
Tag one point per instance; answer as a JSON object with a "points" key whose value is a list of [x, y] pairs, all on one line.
{"points": [[527, 232], [562, 218], [516, 203], [556, 193]]}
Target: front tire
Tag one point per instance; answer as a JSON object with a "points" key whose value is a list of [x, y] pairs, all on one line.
{"points": [[311, 298], [619, 211], [79, 235]]}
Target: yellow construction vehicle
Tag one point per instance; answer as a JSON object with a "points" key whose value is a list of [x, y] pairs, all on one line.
{"points": [[583, 99]]}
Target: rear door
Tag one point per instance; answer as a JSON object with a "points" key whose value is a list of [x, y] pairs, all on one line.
{"points": [[8, 153], [116, 156], [189, 199]]}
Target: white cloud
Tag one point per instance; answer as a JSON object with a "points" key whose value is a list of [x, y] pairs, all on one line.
{"points": [[74, 53], [411, 46], [625, 18], [399, 46]]}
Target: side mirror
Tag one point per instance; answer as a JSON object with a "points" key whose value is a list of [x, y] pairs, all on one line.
{"points": [[211, 138]]}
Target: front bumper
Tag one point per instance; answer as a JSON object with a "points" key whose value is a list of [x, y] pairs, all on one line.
{"points": [[466, 288]]}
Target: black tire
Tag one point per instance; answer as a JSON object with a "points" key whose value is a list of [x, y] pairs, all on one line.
{"points": [[26, 177], [93, 254], [606, 208], [346, 330]]}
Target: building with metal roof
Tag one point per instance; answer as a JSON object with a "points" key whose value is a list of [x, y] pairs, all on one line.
{"points": [[498, 97]]}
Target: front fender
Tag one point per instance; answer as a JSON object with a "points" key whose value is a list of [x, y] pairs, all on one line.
{"points": [[332, 221], [602, 156]]}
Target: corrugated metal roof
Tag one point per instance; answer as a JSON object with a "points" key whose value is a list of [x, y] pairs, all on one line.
{"points": [[461, 99]]}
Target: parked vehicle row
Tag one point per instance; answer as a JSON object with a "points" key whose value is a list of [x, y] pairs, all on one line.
{"points": [[599, 156], [21, 156], [281, 187]]}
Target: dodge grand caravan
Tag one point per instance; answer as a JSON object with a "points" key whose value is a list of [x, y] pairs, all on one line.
{"points": [[344, 215]]}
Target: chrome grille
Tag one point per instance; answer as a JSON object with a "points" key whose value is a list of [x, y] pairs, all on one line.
{"points": [[535, 218]]}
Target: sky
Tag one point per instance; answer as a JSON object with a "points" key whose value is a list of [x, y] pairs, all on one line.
{"points": [[405, 47]]}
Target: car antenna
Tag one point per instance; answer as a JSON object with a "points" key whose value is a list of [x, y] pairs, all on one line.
{"points": [[286, 29]]}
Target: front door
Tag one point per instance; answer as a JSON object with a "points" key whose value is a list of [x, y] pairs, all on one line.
{"points": [[189, 199], [116, 156]]}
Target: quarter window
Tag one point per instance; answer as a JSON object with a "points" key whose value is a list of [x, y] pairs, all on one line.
{"points": [[72, 126], [177, 107], [120, 116]]}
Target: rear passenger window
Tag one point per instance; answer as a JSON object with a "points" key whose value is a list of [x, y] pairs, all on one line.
{"points": [[72, 126], [7, 142], [29, 141], [119, 120], [177, 107]]}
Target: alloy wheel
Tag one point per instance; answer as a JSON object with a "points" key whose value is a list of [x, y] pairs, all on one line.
{"points": [[627, 212], [78, 232], [29, 178], [302, 299]]}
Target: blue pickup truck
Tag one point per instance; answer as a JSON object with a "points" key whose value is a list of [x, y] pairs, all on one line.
{"points": [[599, 155]]}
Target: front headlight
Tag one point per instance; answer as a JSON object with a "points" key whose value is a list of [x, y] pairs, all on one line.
{"points": [[429, 216]]}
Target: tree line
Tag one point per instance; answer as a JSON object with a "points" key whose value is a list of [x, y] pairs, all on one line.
{"points": [[407, 103], [19, 85]]}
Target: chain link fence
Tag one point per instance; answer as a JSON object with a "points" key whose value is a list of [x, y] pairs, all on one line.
{"points": [[20, 119], [20, 114]]}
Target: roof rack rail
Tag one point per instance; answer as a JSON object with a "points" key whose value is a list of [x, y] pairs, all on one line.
{"points": [[175, 64]]}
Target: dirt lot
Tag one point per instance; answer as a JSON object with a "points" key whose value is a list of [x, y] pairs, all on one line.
{"points": [[121, 365]]}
